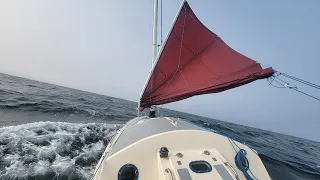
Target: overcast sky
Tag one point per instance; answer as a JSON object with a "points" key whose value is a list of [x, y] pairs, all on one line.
{"points": [[104, 46]]}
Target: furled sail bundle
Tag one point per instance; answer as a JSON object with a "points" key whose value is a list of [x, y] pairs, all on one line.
{"points": [[196, 61]]}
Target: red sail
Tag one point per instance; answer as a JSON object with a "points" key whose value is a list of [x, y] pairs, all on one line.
{"points": [[196, 61]]}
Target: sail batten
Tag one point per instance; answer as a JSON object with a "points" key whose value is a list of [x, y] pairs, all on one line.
{"points": [[195, 61]]}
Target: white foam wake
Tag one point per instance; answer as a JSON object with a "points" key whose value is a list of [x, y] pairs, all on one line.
{"points": [[52, 150]]}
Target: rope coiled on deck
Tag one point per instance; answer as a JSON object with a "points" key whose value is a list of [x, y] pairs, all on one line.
{"points": [[243, 163]]}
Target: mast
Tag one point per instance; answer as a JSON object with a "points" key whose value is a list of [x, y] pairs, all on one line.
{"points": [[154, 31]]}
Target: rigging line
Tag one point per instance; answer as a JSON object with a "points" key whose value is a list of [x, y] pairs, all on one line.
{"points": [[280, 80], [296, 89], [286, 85], [230, 140], [311, 85], [300, 80], [297, 79], [284, 74], [270, 80], [274, 85]]}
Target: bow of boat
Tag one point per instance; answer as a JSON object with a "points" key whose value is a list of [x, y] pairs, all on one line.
{"points": [[170, 148]]}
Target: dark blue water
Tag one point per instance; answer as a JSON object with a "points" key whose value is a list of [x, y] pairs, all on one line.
{"points": [[53, 132]]}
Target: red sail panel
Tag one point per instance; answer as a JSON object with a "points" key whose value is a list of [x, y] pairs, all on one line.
{"points": [[196, 61]]}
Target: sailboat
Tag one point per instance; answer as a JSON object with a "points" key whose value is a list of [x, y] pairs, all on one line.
{"points": [[192, 61]]}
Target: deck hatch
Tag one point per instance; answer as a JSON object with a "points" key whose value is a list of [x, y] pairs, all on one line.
{"points": [[200, 166]]}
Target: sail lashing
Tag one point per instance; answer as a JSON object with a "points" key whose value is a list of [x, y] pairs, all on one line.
{"points": [[195, 61]]}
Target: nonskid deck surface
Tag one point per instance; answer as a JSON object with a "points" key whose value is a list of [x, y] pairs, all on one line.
{"points": [[137, 145], [140, 128]]}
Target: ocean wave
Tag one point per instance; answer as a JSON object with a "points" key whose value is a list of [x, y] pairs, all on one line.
{"points": [[5, 92], [47, 106], [289, 170], [31, 85], [52, 150]]}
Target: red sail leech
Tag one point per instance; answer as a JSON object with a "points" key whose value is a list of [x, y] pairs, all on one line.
{"points": [[196, 61]]}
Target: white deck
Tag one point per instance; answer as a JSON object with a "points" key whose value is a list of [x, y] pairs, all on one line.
{"points": [[140, 140]]}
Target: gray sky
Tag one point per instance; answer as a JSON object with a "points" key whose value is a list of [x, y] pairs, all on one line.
{"points": [[105, 47]]}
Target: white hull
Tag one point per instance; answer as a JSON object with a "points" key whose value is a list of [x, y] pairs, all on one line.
{"points": [[139, 141]]}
